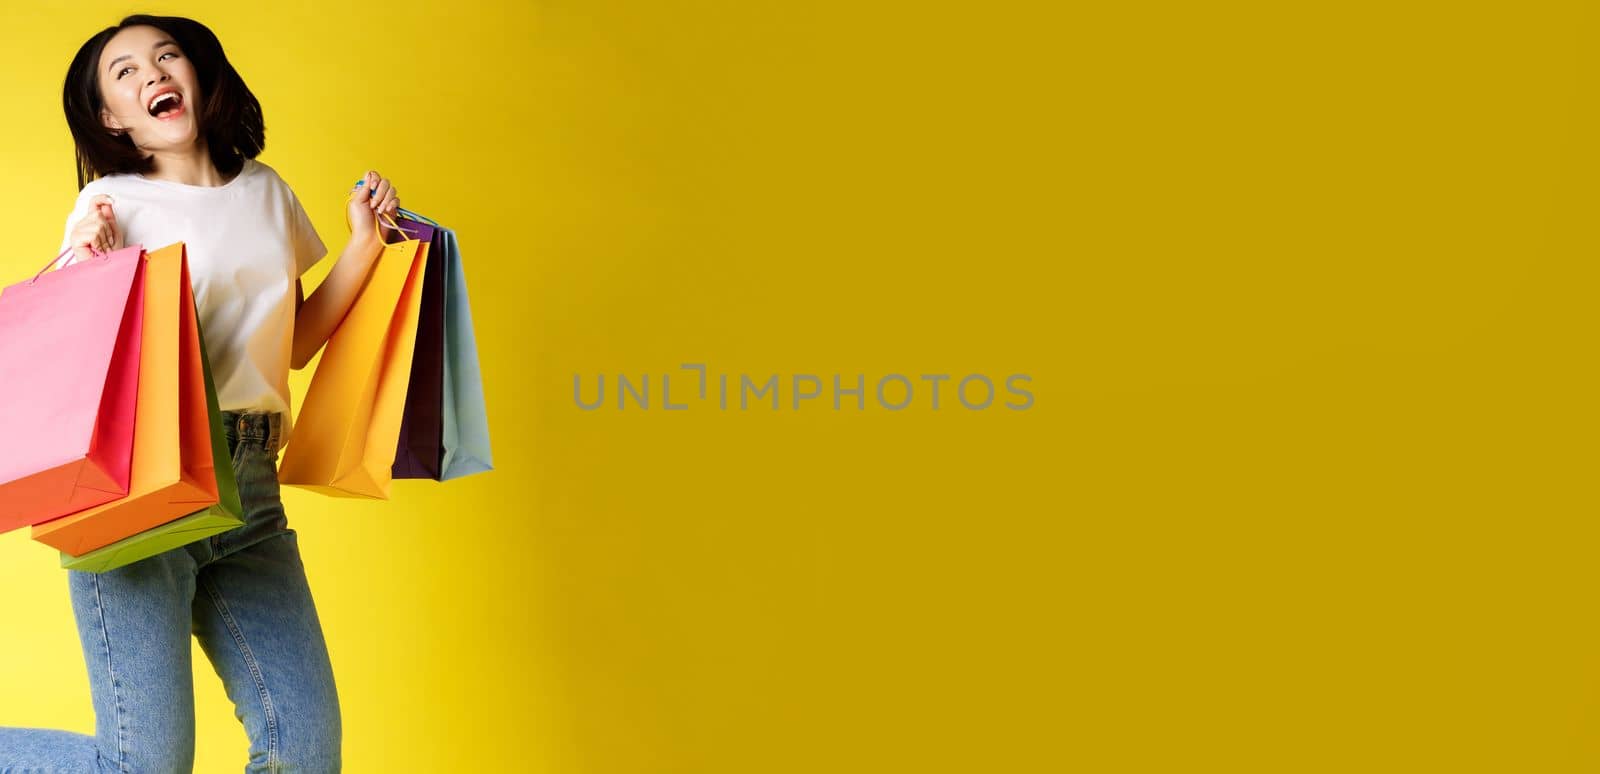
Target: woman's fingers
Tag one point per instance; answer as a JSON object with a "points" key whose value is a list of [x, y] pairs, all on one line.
{"points": [[103, 208], [379, 193], [109, 225], [98, 229]]}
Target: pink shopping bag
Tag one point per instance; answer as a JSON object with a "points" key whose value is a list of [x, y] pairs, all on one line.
{"points": [[69, 379]]}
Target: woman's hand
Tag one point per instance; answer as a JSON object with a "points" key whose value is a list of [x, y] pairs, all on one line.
{"points": [[364, 205], [317, 317], [97, 232]]}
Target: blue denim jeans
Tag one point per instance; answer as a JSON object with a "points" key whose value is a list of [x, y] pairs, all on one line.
{"points": [[243, 593]]}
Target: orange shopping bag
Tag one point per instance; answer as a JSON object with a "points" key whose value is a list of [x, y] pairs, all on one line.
{"points": [[173, 472], [345, 437]]}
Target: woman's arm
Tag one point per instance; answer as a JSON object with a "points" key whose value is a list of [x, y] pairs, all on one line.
{"points": [[317, 317]]}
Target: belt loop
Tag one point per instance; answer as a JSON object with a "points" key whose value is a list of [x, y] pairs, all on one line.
{"points": [[274, 429]]}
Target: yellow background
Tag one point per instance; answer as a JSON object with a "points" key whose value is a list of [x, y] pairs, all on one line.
{"points": [[1305, 293]]}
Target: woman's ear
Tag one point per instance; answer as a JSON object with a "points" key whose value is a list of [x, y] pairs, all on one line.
{"points": [[111, 123]]}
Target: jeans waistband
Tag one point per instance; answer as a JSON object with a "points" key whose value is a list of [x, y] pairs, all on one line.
{"points": [[253, 427]]}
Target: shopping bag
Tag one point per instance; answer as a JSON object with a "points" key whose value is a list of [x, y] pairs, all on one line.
{"points": [[69, 373], [465, 428], [349, 426], [463, 420], [226, 514], [173, 534], [172, 471], [421, 423], [228, 500]]}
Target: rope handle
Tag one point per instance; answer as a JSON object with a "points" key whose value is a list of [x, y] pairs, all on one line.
{"points": [[391, 223], [57, 259], [419, 218]]}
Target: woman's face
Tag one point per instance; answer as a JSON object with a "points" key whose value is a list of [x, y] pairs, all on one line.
{"points": [[138, 65]]}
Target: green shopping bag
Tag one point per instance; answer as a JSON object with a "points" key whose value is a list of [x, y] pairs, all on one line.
{"points": [[225, 515]]}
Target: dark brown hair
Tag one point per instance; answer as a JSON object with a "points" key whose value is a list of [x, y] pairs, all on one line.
{"points": [[229, 121]]}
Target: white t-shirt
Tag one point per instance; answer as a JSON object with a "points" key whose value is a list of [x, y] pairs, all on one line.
{"points": [[248, 241]]}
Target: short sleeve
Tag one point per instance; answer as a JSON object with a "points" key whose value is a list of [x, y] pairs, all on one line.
{"points": [[308, 246]]}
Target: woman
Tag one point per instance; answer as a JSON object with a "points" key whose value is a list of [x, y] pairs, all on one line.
{"points": [[167, 134]]}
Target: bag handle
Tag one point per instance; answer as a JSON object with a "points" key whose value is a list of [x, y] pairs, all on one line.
{"points": [[392, 224], [419, 218], [57, 259]]}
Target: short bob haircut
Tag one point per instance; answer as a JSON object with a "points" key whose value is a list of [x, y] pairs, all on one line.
{"points": [[229, 120]]}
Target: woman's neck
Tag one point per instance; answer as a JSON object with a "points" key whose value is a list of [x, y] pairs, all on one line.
{"points": [[190, 167]]}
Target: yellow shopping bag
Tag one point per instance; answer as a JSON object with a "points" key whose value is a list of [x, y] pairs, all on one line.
{"points": [[345, 437]]}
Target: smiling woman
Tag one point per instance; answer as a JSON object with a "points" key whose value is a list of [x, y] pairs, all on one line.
{"points": [[167, 136], [109, 105]]}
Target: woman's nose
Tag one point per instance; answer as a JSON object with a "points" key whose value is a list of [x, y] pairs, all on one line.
{"points": [[163, 77]]}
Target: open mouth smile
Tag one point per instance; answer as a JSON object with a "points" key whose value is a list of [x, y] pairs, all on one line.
{"points": [[167, 105]]}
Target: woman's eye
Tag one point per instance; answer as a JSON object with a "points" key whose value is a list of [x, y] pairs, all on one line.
{"points": [[124, 71]]}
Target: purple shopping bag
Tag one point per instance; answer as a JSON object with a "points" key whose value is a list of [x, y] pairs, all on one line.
{"points": [[421, 446]]}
